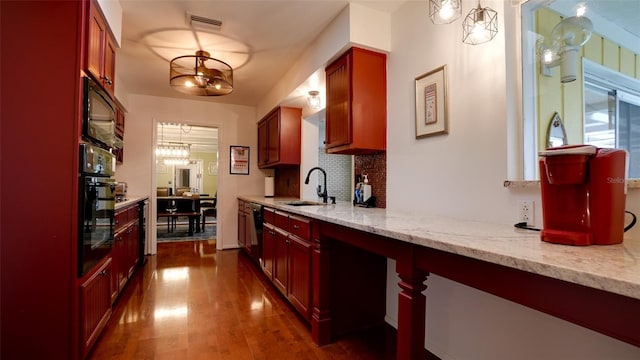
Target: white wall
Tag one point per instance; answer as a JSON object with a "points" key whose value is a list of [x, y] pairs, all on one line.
{"points": [[237, 126], [461, 175]]}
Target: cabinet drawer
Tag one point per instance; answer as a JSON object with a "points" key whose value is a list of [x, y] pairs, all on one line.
{"points": [[268, 215], [132, 213], [121, 218], [281, 220], [300, 227]]}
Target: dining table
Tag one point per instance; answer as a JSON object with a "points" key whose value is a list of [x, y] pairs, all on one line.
{"points": [[188, 206]]}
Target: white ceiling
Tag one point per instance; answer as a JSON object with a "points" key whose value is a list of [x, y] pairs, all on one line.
{"points": [[259, 39]]}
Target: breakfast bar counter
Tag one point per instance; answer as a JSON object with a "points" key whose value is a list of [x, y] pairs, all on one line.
{"points": [[568, 282]]}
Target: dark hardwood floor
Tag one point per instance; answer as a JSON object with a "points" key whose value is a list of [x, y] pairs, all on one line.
{"points": [[193, 302]]}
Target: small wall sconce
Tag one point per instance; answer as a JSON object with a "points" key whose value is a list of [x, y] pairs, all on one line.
{"points": [[444, 11], [480, 25], [314, 99], [567, 37]]}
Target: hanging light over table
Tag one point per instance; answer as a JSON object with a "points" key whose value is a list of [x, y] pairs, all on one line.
{"points": [[444, 11], [201, 74], [480, 25]]}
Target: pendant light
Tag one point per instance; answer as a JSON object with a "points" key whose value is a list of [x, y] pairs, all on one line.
{"points": [[480, 25], [173, 153], [200, 74], [314, 99], [444, 11]]}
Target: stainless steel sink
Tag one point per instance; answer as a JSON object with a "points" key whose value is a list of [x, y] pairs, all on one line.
{"points": [[303, 203]]}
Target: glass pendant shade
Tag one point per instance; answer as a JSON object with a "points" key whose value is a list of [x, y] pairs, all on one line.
{"points": [[201, 75], [444, 11], [479, 26], [314, 99]]}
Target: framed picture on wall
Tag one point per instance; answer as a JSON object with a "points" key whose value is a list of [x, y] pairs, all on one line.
{"points": [[431, 103], [212, 168], [161, 168], [239, 160]]}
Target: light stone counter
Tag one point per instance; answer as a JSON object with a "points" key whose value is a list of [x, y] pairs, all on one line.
{"points": [[613, 268], [130, 200]]}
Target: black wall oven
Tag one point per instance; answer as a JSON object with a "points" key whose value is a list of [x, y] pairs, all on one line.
{"points": [[97, 205]]}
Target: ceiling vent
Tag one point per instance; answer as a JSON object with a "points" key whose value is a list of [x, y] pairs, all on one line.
{"points": [[202, 22]]}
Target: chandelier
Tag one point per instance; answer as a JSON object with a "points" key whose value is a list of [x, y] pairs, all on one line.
{"points": [[173, 153], [201, 75]]}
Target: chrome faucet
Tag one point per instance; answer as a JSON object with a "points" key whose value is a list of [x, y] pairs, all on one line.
{"points": [[322, 194]]}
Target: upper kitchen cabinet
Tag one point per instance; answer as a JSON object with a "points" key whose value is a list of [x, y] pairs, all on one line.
{"points": [[101, 49], [356, 112], [279, 138]]}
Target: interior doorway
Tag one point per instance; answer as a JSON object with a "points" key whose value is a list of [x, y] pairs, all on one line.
{"points": [[187, 182]]}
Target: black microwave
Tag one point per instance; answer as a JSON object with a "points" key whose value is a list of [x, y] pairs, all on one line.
{"points": [[99, 115]]}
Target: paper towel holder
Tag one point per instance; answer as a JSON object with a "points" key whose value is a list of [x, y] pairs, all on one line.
{"points": [[268, 186]]}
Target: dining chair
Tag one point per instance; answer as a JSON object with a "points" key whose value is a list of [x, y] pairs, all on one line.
{"points": [[209, 209]]}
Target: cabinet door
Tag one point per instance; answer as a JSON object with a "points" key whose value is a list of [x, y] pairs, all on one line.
{"points": [[299, 292], [120, 258], [133, 249], [280, 260], [96, 42], [273, 141], [241, 225], [109, 69], [338, 112], [263, 146], [268, 249], [248, 231], [95, 305]]}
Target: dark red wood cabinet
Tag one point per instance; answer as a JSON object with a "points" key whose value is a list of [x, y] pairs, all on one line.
{"points": [[286, 254], [244, 226], [356, 111], [279, 138], [126, 247], [95, 305], [101, 49]]}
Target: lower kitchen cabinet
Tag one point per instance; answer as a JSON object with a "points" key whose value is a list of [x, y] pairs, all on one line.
{"points": [[280, 260], [286, 254], [95, 304], [126, 247]]}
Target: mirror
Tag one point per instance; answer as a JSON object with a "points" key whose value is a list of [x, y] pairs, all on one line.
{"points": [[581, 72]]}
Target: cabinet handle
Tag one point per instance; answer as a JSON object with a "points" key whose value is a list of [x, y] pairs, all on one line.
{"points": [[107, 80], [272, 233], [103, 272], [296, 227]]}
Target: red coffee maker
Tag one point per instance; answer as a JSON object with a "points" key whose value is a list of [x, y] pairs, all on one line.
{"points": [[583, 195]]}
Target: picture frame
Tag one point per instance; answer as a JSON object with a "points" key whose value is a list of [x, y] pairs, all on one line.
{"points": [[239, 160], [432, 110], [212, 168], [161, 168]]}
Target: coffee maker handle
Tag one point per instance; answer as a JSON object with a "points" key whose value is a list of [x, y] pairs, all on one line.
{"points": [[633, 221]]}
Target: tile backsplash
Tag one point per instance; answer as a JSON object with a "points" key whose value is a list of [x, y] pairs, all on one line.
{"points": [[338, 168], [375, 165]]}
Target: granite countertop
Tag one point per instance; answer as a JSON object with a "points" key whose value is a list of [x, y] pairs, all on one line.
{"points": [[130, 200], [613, 268]]}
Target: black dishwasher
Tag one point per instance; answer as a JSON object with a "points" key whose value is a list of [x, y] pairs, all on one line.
{"points": [[255, 248]]}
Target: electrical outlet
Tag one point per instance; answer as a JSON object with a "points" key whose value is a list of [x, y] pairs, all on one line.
{"points": [[526, 212]]}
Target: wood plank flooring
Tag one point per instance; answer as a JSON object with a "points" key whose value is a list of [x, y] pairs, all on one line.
{"points": [[193, 302]]}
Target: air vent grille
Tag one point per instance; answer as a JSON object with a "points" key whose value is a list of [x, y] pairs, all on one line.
{"points": [[201, 21]]}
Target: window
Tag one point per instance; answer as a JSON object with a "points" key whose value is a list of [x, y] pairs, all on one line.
{"points": [[612, 112]]}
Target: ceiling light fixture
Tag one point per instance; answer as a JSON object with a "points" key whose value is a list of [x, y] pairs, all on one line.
{"points": [[314, 99], [173, 153], [444, 11], [480, 25], [201, 74]]}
